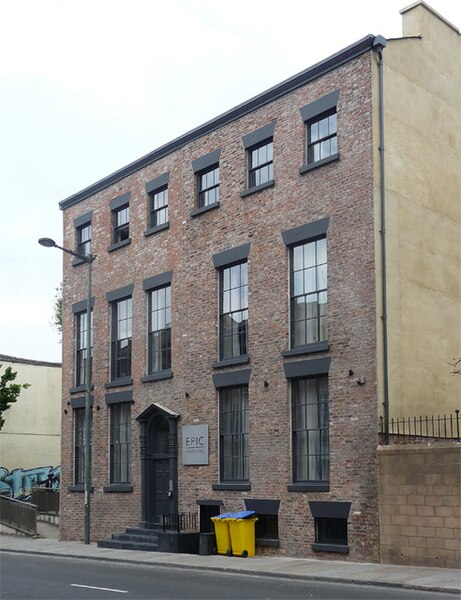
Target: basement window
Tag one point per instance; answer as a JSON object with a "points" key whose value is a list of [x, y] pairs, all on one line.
{"points": [[330, 520]]}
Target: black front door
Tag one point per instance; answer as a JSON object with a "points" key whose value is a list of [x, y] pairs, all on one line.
{"points": [[162, 495], [159, 468]]}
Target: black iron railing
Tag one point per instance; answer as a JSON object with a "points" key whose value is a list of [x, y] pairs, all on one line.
{"points": [[19, 515], [446, 427], [179, 522]]}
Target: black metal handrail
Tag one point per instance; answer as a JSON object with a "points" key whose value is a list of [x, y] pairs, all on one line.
{"points": [[179, 522], [19, 515], [445, 426]]}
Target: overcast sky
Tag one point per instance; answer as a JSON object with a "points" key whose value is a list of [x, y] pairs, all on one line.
{"points": [[89, 86]]}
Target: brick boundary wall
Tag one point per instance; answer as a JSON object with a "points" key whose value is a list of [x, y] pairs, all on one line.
{"points": [[419, 499]]}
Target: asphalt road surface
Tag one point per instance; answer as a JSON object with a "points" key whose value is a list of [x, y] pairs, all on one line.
{"points": [[25, 576]]}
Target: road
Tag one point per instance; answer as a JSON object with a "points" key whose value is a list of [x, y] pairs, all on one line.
{"points": [[25, 576]]}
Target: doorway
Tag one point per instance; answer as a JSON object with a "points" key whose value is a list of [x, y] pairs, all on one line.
{"points": [[159, 465]]}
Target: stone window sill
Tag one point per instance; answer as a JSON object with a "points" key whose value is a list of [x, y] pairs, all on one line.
{"points": [[257, 188]]}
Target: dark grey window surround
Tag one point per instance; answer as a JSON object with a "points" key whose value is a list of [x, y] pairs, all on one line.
{"points": [[80, 402], [157, 281], [199, 211], [208, 160], [120, 201], [119, 245], [233, 255], [307, 232], [151, 186], [166, 374], [230, 362], [121, 293], [318, 163], [264, 507], [156, 229], [310, 112], [259, 135], [122, 382], [80, 306], [307, 368], [209, 502], [79, 389], [119, 397], [80, 222], [83, 219], [307, 349], [330, 510], [115, 204], [111, 399], [316, 108], [257, 188], [231, 378], [252, 139], [158, 182]]}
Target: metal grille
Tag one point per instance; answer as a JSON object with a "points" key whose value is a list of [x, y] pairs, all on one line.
{"points": [[331, 531], [179, 522], [442, 427]]}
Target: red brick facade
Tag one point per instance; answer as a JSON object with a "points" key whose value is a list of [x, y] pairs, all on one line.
{"points": [[341, 190]]}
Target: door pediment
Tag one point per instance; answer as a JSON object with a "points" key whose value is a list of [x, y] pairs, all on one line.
{"points": [[155, 409]]}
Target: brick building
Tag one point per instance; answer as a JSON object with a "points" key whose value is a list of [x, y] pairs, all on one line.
{"points": [[230, 369]]}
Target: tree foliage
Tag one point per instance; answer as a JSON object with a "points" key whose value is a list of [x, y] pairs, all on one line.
{"points": [[57, 309], [9, 392]]}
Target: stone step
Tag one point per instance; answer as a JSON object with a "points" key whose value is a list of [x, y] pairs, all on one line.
{"points": [[125, 545], [141, 531], [135, 537]]}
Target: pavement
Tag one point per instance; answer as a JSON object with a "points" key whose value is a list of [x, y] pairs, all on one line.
{"points": [[430, 579]]}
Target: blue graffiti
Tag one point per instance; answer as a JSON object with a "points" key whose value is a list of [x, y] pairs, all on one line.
{"points": [[19, 482]]}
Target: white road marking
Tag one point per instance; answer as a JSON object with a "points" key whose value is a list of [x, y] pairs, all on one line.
{"points": [[92, 587]]}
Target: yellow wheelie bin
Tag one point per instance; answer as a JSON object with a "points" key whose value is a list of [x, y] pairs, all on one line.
{"points": [[221, 529], [242, 533]]}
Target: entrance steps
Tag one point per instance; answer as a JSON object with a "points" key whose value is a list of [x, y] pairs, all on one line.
{"points": [[133, 539]]}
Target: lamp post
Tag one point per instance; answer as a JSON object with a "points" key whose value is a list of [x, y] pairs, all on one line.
{"points": [[88, 259]]}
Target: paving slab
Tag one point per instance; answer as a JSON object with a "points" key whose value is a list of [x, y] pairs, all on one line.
{"points": [[423, 578]]}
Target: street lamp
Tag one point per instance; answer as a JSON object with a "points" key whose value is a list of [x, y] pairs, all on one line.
{"points": [[88, 259]]}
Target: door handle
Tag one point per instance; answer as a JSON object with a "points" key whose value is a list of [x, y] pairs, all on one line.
{"points": [[170, 494]]}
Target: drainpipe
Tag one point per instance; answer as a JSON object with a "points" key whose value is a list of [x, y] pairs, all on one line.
{"points": [[379, 43]]}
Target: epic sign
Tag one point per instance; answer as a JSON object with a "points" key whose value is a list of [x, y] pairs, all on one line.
{"points": [[195, 445]]}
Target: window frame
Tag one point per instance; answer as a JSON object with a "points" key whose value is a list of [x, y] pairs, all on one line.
{"points": [[316, 483], [313, 144], [154, 221], [332, 516], [119, 414], [255, 170], [121, 231], [223, 313], [241, 437], [320, 320], [116, 358], [204, 191], [313, 113], [79, 446], [81, 351], [83, 245], [164, 332]]}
